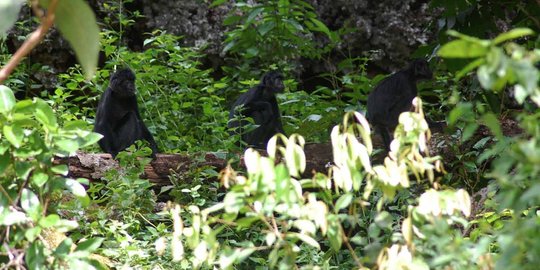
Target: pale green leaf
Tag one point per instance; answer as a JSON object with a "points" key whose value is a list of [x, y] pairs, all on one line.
{"points": [[68, 145], [90, 245], [39, 178], [7, 98], [29, 202], [493, 123], [76, 188], [462, 49], [14, 134], [307, 239], [344, 201], [77, 23], [321, 27], [513, 34], [9, 11], [49, 221]]}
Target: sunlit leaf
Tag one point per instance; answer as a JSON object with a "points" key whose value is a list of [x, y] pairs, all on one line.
{"points": [[513, 34], [406, 230], [7, 98], [468, 131], [68, 145], [39, 178], [35, 256], [252, 15], [90, 245], [30, 203], [61, 169], [344, 201], [49, 221], [462, 49], [64, 247], [45, 115], [9, 12], [464, 202], [493, 123], [77, 23], [334, 233], [13, 217], [307, 239], [216, 3], [14, 134], [75, 188], [321, 27]]}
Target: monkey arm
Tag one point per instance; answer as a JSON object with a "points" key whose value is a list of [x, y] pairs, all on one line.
{"points": [[279, 127], [106, 143], [258, 106], [146, 134]]}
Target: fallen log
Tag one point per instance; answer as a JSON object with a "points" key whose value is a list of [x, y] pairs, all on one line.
{"points": [[318, 158], [94, 166]]}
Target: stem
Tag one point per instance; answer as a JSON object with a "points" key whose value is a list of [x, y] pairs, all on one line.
{"points": [[34, 39]]}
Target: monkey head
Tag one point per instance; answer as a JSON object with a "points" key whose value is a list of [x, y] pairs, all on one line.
{"points": [[273, 81], [420, 69], [122, 83]]}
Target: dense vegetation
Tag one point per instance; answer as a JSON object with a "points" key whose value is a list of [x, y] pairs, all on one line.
{"points": [[476, 208]]}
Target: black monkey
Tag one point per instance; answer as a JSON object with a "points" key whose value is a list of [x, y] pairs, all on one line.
{"points": [[260, 104], [394, 95], [118, 118]]}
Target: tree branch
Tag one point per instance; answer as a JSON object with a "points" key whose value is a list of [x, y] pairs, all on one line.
{"points": [[34, 39]]}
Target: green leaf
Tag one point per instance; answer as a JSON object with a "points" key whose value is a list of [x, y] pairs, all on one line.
{"points": [[77, 23], [334, 233], [252, 15], [384, 220], [31, 204], [513, 34], [493, 123], [468, 131], [246, 222], [9, 11], [462, 49], [90, 245], [75, 187], [217, 3], [266, 27], [35, 256], [66, 225], [307, 239], [459, 35], [463, 111], [7, 98], [39, 178], [344, 201], [68, 145], [471, 66], [49, 221], [45, 115], [91, 138], [231, 20], [29, 200], [64, 247], [14, 134], [78, 190], [12, 217], [5, 159], [321, 27], [60, 169], [23, 169]]}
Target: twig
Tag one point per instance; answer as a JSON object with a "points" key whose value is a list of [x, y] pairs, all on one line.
{"points": [[34, 39]]}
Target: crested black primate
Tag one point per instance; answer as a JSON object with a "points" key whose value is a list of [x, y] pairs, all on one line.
{"points": [[261, 105], [394, 95], [118, 118]]}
